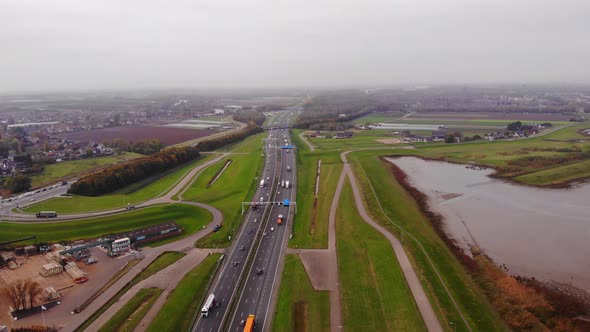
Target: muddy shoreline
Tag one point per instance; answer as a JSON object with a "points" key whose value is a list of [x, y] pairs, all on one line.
{"points": [[568, 299], [496, 175]]}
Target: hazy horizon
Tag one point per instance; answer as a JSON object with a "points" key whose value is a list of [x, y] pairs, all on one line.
{"points": [[71, 45]]}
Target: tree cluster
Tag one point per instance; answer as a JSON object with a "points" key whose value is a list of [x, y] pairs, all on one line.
{"points": [[329, 107], [218, 142], [17, 183], [251, 115], [121, 175], [22, 294], [146, 147]]}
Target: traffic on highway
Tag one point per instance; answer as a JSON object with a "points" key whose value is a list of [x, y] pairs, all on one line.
{"points": [[243, 290]]}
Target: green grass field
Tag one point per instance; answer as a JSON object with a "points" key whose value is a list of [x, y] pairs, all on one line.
{"points": [[127, 318], [164, 260], [299, 306], [310, 231], [361, 139], [236, 184], [133, 194], [557, 175], [190, 218], [182, 303], [54, 172], [403, 210], [374, 293]]}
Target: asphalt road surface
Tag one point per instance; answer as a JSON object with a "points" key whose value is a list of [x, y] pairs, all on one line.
{"points": [[263, 277], [225, 286], [35, 196]]}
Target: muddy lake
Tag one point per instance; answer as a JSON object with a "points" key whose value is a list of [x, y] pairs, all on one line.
{"points": [[541, 233]]}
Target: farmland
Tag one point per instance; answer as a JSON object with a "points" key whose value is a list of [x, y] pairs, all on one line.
{"points": [[168, 135]]}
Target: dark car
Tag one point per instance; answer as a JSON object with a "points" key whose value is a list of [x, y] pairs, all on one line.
{"points": [[259, 271], [216, 228]]}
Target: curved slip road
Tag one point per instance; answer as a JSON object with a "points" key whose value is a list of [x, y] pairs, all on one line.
{"points": [[176, 188], [426, 311]]}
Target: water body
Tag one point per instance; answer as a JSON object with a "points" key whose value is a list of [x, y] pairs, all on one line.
{"points": [[541, 233]]}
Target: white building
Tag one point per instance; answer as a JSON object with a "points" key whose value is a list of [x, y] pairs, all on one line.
{"points": [[121, 245], [218, 111]]}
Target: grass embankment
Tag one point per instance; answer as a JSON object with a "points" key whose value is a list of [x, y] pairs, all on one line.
{"points": [[374, 293], [361, 139], [161, 262], [544, 160], [133, 194], [235, 185], [127, 318], [65, 169], [190, 218], [558, 175], [182, 303], [299, 306], [310, 227], [401, 208]]}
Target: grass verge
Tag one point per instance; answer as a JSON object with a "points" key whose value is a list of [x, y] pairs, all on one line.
{"points": [[401, 208], [299, 306], [189, 217], [127, 318], [182, 303], [161, 262], [374, 293]]}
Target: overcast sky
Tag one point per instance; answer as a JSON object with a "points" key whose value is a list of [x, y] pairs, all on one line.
{"points": [[87, 44]]}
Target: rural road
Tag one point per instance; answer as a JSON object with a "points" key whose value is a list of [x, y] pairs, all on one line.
{"points": [[424, 306], [308, 143], [150, 255], [170, 192]]}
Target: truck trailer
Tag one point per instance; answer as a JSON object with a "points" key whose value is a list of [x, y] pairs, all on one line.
{"points": [[208, 306]]}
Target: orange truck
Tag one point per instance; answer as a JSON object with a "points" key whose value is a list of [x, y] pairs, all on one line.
{"points": [[249, 326], [280, 220]]}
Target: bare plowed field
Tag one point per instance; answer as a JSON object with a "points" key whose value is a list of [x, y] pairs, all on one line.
{"points": [[168, 136]]}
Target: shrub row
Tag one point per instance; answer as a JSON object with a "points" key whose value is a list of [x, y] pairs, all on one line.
{"points": [[119, 176]]}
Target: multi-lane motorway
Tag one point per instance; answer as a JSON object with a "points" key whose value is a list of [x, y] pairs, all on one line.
{"points": [[259, 238]]}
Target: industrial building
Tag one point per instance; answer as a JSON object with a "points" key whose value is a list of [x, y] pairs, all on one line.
{"points": [[147, 234]]}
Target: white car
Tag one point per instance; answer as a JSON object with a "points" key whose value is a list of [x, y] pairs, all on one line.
{"points": [[272, 229]]}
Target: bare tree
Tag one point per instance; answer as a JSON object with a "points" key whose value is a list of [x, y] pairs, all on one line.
{"points": [[33, 290]]}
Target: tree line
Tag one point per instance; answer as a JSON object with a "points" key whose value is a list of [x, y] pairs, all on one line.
{"points": [[250, 115], [146, 147], [216, 143], [121, 175]]}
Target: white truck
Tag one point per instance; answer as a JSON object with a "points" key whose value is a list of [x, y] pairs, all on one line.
{"points": [[283, 184], [287, 184], [208, 306], [261, 183]]}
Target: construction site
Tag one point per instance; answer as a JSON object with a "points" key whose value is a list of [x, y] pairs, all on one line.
{"points": [[57, 279]]}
